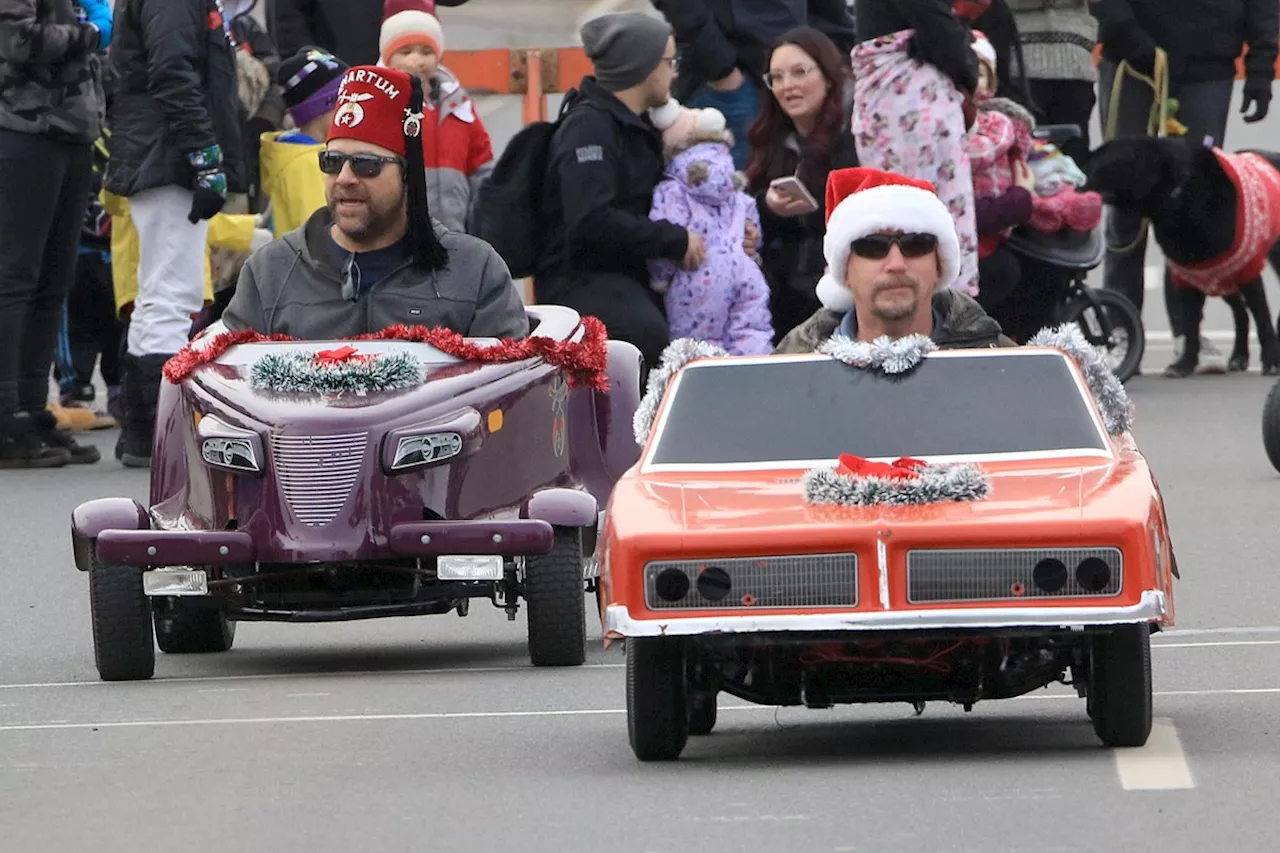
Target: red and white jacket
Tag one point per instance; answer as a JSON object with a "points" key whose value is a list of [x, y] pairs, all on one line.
{"points": [[1257, 228], [456, 150]]}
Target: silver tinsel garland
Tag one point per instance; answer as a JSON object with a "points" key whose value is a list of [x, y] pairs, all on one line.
{"points": [[677, 354], [1113, 401], [935, 484], [884, 354], [300, 372]]}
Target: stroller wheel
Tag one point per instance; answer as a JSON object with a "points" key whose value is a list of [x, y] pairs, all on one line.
{"points": [[1112, 324]]}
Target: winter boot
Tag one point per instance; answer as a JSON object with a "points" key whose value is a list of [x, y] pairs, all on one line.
{"points": [[141, 394], [21, 446], [46, 427]]}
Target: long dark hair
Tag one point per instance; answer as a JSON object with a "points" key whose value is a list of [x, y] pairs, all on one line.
{"points": [[767, 134]]}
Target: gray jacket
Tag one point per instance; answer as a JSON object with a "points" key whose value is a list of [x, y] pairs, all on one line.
{"points": [[50, 73], [964, 326], [287, 287]]}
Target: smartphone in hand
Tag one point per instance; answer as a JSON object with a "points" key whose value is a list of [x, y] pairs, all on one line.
{"points": [[792, 188]]}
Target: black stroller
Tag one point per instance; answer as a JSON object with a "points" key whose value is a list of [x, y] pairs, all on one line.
{"points": [[1054, 291]]}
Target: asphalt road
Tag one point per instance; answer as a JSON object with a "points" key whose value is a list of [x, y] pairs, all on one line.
{"points": [[435, 734]]}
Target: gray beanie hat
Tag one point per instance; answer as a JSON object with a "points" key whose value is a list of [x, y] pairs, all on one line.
{"points": [[624, 47]]}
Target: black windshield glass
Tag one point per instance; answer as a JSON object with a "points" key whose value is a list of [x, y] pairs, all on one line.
{"points": [[793, 410]]}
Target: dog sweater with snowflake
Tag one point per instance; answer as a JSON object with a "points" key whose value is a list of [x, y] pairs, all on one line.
{"points": [[1257, 186]]}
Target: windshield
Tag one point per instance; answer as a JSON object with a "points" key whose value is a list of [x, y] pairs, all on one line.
{"points": [[762, 412]]}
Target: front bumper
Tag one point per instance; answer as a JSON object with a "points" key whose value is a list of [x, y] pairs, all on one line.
{"points": [[159, 548], [619, 624]]}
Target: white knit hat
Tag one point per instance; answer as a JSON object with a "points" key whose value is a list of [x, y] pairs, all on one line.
{"points": [[410, 27], [864, 201]]}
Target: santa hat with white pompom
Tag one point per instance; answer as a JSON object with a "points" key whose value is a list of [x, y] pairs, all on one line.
{"points": [[863, 201]]}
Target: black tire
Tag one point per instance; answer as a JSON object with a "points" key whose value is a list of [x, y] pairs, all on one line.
{"points": [[553, 591], [657, 712], [1120, 684], [702, 713], [123, 646], [1271, 426], [181, 631], [1128, 338]]}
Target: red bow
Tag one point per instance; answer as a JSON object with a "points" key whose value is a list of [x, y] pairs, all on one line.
{"points": [[335, 356], [904, 468]]}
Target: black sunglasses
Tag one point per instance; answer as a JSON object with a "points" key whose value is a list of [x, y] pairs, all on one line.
{"points": [[876, 246], [362, 165]]}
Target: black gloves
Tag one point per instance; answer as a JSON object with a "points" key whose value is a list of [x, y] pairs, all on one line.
{"points": [[210, 184], [1257, 94]]}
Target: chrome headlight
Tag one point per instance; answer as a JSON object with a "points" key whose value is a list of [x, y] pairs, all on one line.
{"points": [[229, 447], [433, 442], [413, 451]]}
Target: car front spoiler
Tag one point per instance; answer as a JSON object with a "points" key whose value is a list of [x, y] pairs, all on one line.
{"points": [[619, 624]]}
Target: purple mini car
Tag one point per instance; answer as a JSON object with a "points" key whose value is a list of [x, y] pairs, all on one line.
{"points": [[293, 482]]}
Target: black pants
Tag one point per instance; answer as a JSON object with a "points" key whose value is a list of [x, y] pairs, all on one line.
{"points": [[630, 311], [1203, 108], [998, 276], [1067, 102], [44, 190], [93, 328]]}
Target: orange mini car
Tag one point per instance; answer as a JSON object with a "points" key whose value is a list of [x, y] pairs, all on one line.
{"points": [[997, 528]]}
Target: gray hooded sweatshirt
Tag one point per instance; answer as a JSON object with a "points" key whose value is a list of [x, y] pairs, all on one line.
{"points": [[288, 287]]}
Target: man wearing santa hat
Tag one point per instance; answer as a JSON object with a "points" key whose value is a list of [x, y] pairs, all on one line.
{"points": [[374, 257], [892, 259]]}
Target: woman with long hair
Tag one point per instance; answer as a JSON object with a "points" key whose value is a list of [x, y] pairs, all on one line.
{"points": [[916, 74], [802, 132]]}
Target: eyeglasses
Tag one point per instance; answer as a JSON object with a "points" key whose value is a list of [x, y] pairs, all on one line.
{"points": [[362, 165], [674, 61], [799, 74], [876, 247]]}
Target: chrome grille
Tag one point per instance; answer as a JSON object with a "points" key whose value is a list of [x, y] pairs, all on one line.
{"points": [[1003, 574], [817, 580], [316, 472]]}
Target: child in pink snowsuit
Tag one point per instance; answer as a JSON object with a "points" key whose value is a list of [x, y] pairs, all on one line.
{"points": [[1000, 137], [724, 301]]}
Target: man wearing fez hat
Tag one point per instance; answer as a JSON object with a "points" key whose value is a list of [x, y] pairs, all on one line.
{"points": [[373, 257]]}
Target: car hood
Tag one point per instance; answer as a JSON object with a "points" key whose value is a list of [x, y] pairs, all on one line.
{"points": [[771, 506], [229, 383]]}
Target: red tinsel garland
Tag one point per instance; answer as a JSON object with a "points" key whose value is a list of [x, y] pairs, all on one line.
{"points": [[584, 361]]}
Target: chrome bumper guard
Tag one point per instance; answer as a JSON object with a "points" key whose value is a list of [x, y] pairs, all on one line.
{"points": [[618, 622]]}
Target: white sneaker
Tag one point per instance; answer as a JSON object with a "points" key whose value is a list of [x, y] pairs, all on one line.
{"points": [[1212, 359]]}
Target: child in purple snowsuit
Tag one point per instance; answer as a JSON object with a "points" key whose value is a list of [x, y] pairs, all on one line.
{"points": [[724, 301]]}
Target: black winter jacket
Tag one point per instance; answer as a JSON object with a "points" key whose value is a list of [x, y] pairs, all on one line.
{"points": [[346, 28], [603, 165], [1202, 37], [942, 40], [174, 92], [792, 246], [716, 36]]}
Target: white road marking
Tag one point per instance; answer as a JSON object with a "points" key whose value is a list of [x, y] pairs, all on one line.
{"points": [[1219, 644], [1160, 765], [224, 690], [305, 695], [494, 715], [1214, 632]]}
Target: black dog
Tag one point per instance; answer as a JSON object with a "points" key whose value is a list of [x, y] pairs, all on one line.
{"points": [[1190, 200]]}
